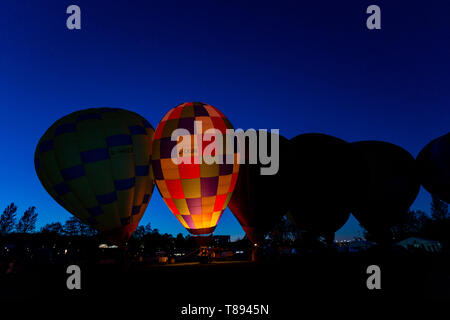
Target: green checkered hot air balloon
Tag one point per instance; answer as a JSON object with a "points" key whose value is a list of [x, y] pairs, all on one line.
{"points": [[96, 164]]}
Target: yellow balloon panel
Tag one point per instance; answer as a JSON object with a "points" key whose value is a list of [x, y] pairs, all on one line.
{"points": [[195, 192], [96, 164]]}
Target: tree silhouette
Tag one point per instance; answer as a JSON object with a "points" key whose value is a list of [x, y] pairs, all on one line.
{"points": [[413, 223], [148, 228], [8, 219], [55, 227], [27, 222], [85, 230], [284, 233], [179, 241], [72, 227], [141, 231], [439, 209]]}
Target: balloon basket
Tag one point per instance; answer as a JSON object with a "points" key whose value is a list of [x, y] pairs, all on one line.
{"points": [[203, 242], [255, 253]]}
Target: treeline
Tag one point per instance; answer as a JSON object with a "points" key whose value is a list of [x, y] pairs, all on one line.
{"points": [[26, 223], [417, 223], [75, 236], [435, 225], [144, 236], [73, 229]]}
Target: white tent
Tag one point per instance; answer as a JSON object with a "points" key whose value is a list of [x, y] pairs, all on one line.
{"points": [[420, 243]]}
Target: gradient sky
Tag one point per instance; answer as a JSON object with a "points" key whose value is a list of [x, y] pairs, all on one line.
{"points": [[300, 66]]}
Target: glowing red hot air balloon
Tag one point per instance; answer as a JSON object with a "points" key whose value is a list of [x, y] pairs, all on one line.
{"points": [[196, 192]]}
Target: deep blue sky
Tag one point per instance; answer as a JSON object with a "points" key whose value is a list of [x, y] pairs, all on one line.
{"points": [[297, 66]]}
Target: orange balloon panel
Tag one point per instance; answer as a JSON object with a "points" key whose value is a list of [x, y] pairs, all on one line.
{"points": [[197, 193]]}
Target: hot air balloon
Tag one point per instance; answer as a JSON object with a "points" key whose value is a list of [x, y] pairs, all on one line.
{"points": [[96, 164], [434, 167], [391, 186], [321, 183], [259, 201], [195, 191]]}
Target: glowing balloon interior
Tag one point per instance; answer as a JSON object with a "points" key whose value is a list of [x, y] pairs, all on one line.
{"points": [[197, 193]]}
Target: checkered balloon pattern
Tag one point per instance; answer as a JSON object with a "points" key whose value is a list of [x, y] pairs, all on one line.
{"points": [[96, 164], [197, 193]]}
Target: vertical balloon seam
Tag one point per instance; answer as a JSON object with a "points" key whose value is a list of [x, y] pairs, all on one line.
{"points": [[50, 183], [48, 186], [89, 184], [149, 184], [83, 219], [127, 215], [71, 194], [118, 214], [78, 138]]}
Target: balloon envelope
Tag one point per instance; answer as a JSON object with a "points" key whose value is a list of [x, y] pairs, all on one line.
{"points": [[259, 201], [321, 182], [434, 167], [96, 164], [390, 188], [197, 193]]}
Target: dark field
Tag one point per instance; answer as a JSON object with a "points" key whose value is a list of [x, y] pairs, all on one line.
{"points": [[288, 285]]}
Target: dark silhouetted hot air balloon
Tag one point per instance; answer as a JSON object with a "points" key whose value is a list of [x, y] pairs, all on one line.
{"points": [[197, 193], [96, 164], [434, 167], [391, 186], [321, 182], [259, 201]]}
